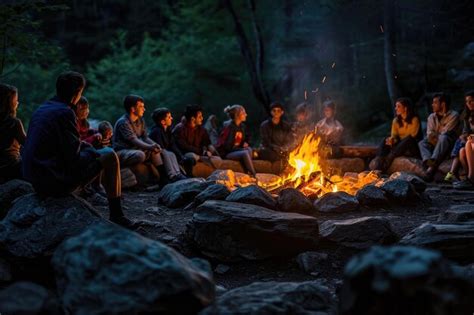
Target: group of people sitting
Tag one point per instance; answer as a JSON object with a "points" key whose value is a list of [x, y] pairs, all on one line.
{"points": [[61, 152], [448, 135]]}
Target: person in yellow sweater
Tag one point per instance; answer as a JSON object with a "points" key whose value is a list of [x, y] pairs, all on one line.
{"points": [[404, 137]]}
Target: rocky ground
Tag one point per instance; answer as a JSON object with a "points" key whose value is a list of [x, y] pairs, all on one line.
{"points": [[169, 226], [206, 248]]}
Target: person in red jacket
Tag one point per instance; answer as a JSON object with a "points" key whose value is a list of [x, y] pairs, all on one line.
{"points": [[234, 140], [193, 140]]}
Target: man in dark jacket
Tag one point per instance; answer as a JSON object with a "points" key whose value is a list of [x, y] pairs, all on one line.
{"points": [[54, 159], [192, 138], [277, 136], [161, 134]]}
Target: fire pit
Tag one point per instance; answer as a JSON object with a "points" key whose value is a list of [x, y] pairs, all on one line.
{"points": [[307, 172]]}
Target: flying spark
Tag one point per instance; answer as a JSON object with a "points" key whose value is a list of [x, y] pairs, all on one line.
{"points": [[324, 79], [381, 28], [333, 65], [305, 95]]}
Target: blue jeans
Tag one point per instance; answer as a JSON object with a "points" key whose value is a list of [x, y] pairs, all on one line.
{"points": [[245, 157]]}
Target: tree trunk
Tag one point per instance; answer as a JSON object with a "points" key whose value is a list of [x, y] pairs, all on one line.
{"points": [[259, 54], [390, 51], [254, 64]]}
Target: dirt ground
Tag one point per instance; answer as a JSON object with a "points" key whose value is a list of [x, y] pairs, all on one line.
{"points": [[169, 226]]}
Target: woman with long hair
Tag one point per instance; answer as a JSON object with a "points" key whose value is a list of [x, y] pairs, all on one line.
{"points": [[12, 134], [404, 137], [234, 140]]}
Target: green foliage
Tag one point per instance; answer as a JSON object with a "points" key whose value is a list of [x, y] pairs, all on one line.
{"points": [[178, 52], [21, 42], [197, 61], [35, 85]]}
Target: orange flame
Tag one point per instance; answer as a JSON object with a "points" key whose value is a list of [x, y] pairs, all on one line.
{"points": [[307, 175]]}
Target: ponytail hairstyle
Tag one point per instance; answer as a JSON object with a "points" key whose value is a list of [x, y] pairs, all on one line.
{"points": [[7, 108], [411, 113], [233, 110]]}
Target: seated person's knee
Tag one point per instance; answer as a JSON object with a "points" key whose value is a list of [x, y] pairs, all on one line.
{"points": [[443, 138], [140, 157], [108, 156]]}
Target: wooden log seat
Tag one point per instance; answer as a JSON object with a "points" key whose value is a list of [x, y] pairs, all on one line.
{"points": [[360, 151], [331, 166]]}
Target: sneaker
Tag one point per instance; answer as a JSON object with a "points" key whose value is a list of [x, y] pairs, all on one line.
{"points": [[450, 177]]}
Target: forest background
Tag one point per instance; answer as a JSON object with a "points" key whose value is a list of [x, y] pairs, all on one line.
{"points": [[361, 54]]}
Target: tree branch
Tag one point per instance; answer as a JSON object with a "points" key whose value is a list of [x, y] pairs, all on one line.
{"points": [[244, 45]]}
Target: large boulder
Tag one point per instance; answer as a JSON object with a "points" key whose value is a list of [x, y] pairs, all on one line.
{"points": [[293, 200], [455, 241], [458, 214], [128, 178], [404, 280], [400, 191], [273, 298], [181, 193], [232, 231], [268, 181], [371, 196], [29, 299], [407, 165], [223, 177], [110, 270], [10, 191], [359, 233], [212, 192], [253, 195], [34, 226], [144, 173], [336, 202], [418, 183]]}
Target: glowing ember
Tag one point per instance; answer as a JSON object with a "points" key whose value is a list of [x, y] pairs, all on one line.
{"points": [[306, 172]]}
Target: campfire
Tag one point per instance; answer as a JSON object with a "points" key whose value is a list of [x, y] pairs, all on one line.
{"points": [[307, 173]]}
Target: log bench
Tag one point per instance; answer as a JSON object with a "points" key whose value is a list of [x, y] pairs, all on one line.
{"points": [[354, 160], [359, 151], [332, 166]]}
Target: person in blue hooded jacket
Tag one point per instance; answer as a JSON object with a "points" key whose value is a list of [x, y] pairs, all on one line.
{"points": [[56, 162]]}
